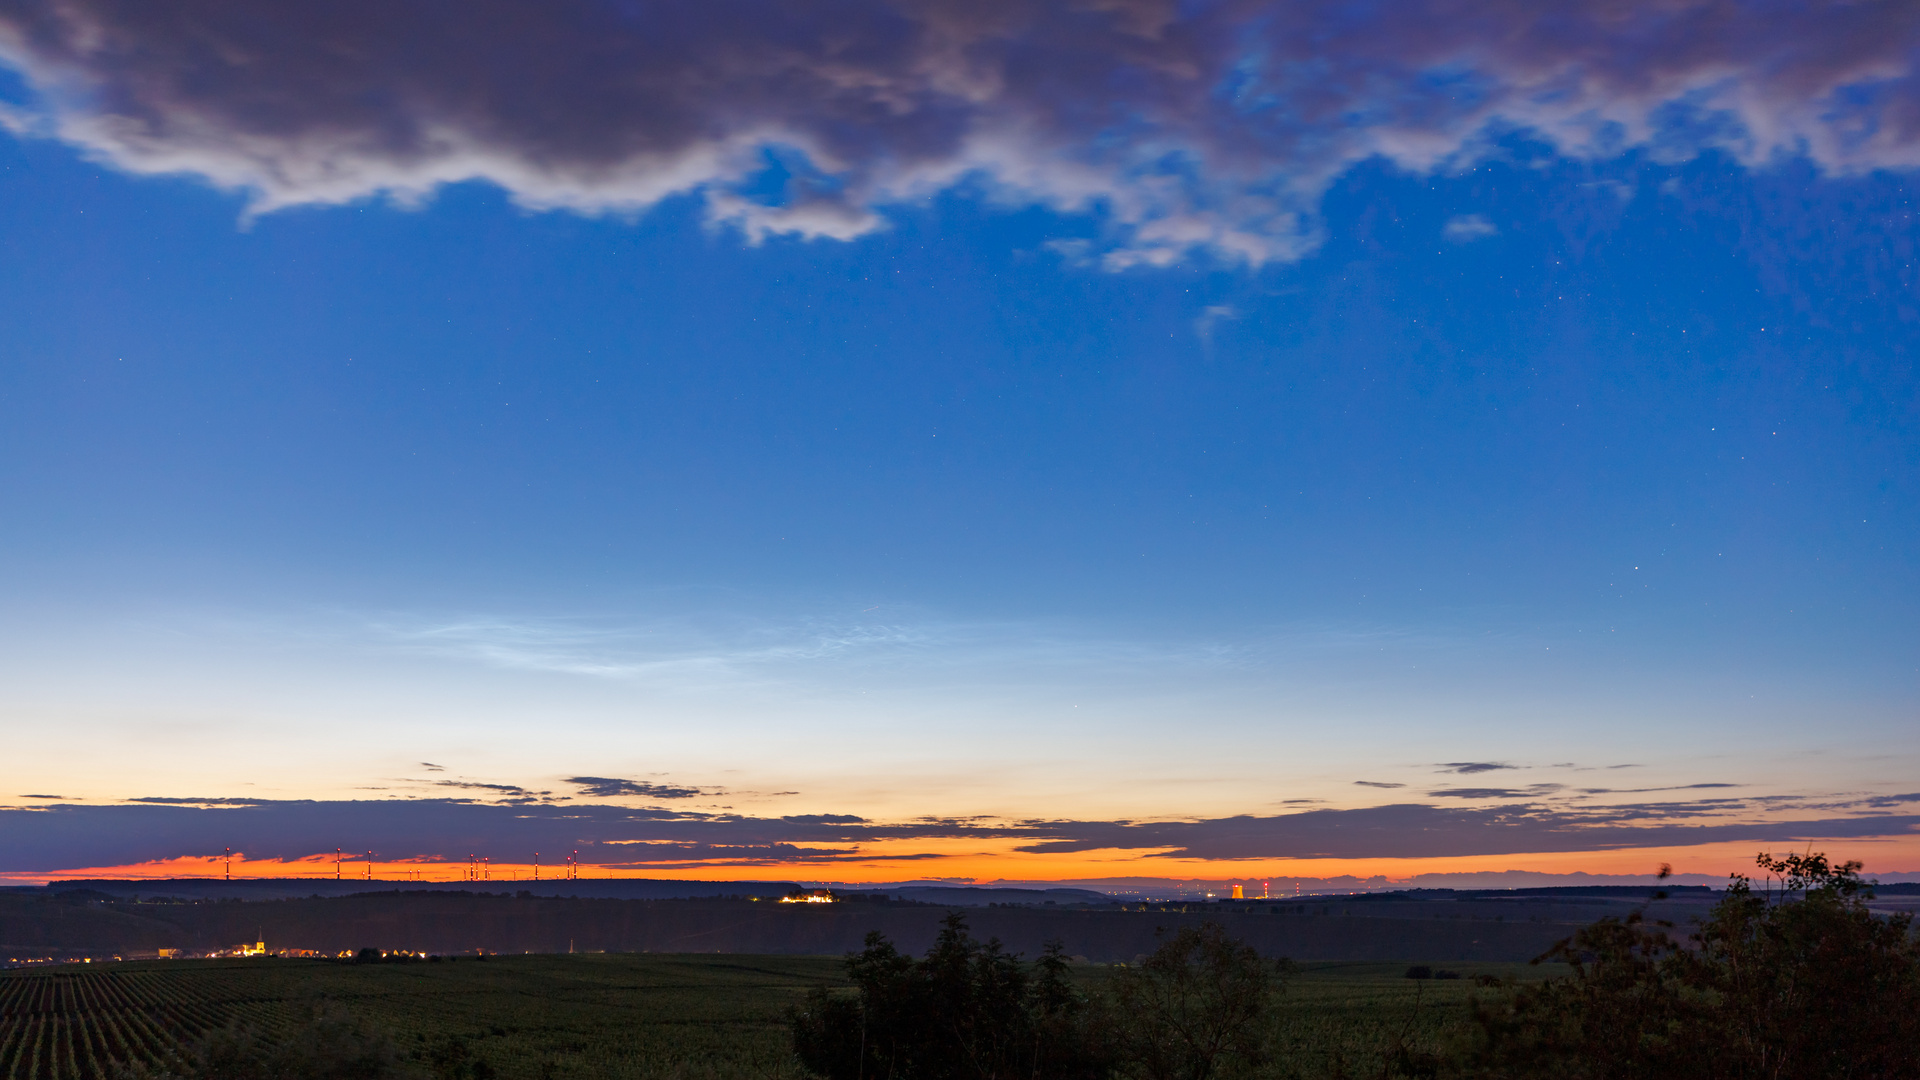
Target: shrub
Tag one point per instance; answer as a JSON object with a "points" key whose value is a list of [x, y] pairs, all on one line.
{"points": [[1804, 983], [965, 1011], [1198, 1007]]}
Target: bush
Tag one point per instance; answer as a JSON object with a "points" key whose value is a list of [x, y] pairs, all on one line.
{"points": [[1804, 983], [1198, 1007], [966, 1011]]}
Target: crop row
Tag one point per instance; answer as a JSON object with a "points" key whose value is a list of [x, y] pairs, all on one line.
{"points": [[625, 1018], [77, 1026]]}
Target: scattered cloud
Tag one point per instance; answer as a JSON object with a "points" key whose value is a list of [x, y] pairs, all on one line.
{"points": [[43, 796], [680, 855], [1640, 790], [431, 767], [511, 791], [171, 800], [1465, 228], [1204, 323], [1377, 784], [1471, 767], [1175, 129], [1531, 791], [603, 787]]}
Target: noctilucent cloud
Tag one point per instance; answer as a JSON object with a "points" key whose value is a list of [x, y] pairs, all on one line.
{"points": [[1022, 441]]}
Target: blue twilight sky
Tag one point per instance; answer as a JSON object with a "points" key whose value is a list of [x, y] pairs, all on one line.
{"points": [[1028, 418]]}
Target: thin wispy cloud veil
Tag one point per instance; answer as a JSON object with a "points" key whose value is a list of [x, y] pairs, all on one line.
{"points": [[1178, 129]]}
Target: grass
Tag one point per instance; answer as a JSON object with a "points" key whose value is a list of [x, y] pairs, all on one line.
{"points": [[619, 1016], [1344, 1019], [640, 1016]]}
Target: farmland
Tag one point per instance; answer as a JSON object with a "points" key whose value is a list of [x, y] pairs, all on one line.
{"points": [[36, 924], [615, 1016], [525, 1016]]}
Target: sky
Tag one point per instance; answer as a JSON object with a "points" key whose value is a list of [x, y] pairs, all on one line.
{"points": [[1042, 441]]}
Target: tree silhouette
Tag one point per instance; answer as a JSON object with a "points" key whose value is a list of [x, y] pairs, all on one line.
{"points": [[966, 1012], [1197, 1007], [1801, 982]]}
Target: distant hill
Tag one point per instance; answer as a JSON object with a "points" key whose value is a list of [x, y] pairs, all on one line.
{"points": [[38, 924], [289, 888], [970, 896]]}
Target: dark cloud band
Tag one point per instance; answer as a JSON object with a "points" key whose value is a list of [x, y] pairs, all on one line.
{"points": [[1178, 127], [70, 836]]}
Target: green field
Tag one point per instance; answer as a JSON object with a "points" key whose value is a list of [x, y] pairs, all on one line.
{"points": [[1341, 1019], [614, 1016]]}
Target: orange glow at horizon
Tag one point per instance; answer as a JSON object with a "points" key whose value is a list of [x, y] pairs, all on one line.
{"points": [[965, 860]]}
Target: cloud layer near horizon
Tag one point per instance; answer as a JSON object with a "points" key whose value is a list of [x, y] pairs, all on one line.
{"points": [[1177, 127], [72, 836]]}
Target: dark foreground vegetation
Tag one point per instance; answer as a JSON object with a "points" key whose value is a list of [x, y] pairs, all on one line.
{"points": [[1806, 983], [1802, 982], [1798, 980], [691, 1016]]}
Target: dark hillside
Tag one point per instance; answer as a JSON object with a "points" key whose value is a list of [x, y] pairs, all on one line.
{"points": [[442, 922]]}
